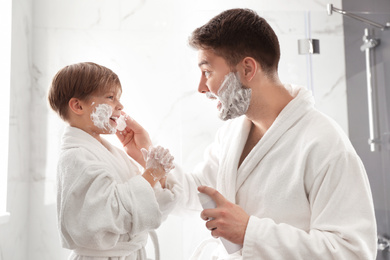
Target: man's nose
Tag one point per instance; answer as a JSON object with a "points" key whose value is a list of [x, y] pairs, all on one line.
{"points": [[202, 88]]}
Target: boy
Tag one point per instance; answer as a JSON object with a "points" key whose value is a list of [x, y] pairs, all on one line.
{"points": [[105, 205]]}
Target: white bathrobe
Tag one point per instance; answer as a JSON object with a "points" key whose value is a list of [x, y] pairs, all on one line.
{"points": [[105, 207], [303, 185]]}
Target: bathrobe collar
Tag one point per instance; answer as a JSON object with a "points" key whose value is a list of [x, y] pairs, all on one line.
{"points": [[105, 152], [230, 179]]}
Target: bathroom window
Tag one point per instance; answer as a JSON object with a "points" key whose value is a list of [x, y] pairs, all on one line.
{"points": [[5, 81]]}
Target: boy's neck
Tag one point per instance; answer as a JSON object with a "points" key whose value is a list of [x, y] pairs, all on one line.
{"points": [[86, 129]]}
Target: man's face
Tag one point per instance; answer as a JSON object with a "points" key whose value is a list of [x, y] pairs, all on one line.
{"points": [[218, 82]]}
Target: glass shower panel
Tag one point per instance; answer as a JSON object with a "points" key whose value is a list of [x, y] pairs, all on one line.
{"points": [[377, 160], [323, 73]]}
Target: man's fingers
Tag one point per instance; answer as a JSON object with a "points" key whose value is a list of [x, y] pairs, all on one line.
{"points": [[213, 193], [211, 225]]}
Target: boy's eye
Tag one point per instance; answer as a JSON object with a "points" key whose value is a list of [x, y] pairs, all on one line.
{"points": [[110, 97]]}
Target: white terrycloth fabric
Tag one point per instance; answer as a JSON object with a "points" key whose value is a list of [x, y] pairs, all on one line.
{"points": [[105, 207], [303, 185]]}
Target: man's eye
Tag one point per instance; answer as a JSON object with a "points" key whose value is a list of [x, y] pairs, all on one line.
{"points": [[207, 74]]}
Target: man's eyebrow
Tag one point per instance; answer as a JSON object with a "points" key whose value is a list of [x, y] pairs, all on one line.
{"points": [[203, 62]]}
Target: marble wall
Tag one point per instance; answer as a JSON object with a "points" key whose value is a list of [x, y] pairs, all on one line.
{"points": [[145, 43], [14, 234]]}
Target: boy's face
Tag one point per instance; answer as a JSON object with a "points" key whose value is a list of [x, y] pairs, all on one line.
{"points": [[103, 110]]}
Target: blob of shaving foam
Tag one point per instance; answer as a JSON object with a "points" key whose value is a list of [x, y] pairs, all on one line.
{"points": [[157, 157], [121, 123], [234, 97]]}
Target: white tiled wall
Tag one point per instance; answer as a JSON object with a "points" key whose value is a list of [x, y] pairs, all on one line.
{"points": [[145, 43]]}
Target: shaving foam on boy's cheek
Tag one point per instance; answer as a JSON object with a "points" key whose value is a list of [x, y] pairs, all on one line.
{"points": [[101, 118]]}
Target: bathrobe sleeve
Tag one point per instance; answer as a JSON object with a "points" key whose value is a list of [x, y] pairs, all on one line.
{"points": [[96, 210], [184, 185], [166, 199], [333, 234]]}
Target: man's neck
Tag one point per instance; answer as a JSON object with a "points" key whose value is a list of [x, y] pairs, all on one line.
{"points": [[268, 101]]}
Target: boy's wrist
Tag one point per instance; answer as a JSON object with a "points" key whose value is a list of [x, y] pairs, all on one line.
{"points": [[153, 175]]}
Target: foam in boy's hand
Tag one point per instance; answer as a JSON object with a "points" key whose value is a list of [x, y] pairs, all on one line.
{"points": [[121, 123]]}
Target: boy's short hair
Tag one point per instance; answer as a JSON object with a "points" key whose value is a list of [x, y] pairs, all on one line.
{"points": [[238, 33], [80, 80]]}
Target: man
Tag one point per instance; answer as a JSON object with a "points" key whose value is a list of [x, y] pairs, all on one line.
{"points": [[285, 178]]}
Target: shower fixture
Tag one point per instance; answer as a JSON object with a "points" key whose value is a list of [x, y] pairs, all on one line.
{"points": [[369, 45], [330, 9]]}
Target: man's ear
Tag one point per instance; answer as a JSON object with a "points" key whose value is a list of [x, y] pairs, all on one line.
{"points": [[76, 106], [250, 67]]}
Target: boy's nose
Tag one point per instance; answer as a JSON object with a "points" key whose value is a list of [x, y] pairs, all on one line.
{"points": [[119, 106]]}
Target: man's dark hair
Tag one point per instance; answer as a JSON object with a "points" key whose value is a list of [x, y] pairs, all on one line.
{"points": [[238, 33]]}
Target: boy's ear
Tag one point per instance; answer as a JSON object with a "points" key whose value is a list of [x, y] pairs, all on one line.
{"points": [[76, 106]]}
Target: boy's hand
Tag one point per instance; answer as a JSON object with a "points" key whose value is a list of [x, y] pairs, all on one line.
{"points": [[133, 138], [158, 157], [159, 162]]}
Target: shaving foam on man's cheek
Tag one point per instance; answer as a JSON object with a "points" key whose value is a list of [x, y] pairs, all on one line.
{"points": [[226, 83], [211, 95], [235, 99], [101, 117]]}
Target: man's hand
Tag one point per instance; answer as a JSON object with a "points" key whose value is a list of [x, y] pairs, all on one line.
{"points": [[227, 220], [133, 138]]}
